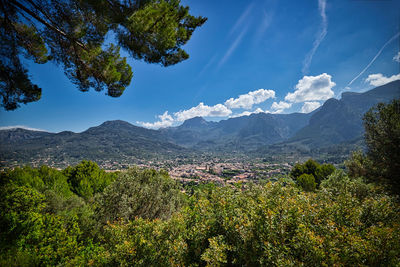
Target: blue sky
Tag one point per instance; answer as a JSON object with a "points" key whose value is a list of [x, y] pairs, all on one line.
{"points": [[250, 56]]}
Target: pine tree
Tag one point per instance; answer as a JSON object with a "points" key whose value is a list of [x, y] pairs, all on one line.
{"points": [[382, 136], [72, 34]]}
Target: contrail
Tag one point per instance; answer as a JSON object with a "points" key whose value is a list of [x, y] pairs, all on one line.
{"points": [[375, 57], [242, 18], [233, 47], [317, 42]]}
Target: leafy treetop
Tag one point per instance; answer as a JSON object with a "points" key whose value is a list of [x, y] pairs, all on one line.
{"points": [[72, 34], [381, 163], [314, 171]]}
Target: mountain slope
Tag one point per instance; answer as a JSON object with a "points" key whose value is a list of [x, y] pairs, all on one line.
{"points": [[340, 121], [111, 141], [19, 134], [335, 129], [242, 133]]}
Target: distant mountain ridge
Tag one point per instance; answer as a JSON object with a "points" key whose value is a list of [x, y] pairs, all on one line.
{"points": [[244, 133], [336, 122], [340, 121], [108, 142], [19, 134]]}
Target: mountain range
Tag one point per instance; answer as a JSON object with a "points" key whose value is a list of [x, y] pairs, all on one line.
{"points": [[335, 124]]}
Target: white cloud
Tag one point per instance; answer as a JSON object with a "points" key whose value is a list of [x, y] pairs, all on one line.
{"points": [[279, 111], [277, 108], [247, 101], [202, 110], [320, 37], [258, 110], [312, 88], [280, 107], [166, 120], [397, 57], [310, 106], [378, 79], [21, 127], [247, 113], [219, 110]]}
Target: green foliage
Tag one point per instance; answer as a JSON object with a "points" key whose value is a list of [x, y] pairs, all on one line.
{"points": [[382, 135], [54, 241], [86, 179], [147, 194], [311, 167], [380, 165], [25, 176], [18, 258], [216, 253], [18, 39], [307, 182], [156, 32], [144, 222], [20, 209], [359, 165], [273, 225], [323, 172], [72, 34], [44, 238], [41, 219], [42, 179], [146, 243], [340, 182]]}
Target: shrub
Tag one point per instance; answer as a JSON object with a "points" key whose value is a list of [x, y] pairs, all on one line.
{"points": [[307, 182], [147, 194], [311, 167]]}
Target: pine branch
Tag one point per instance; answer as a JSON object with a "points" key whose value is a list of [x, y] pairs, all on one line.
{"points": [[48, 25]]}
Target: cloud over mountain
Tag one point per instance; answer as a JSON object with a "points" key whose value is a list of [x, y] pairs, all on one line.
{"points": [[309, 89], [202, 110], [21, 127], [378, 79], [247, 101], [309, 106], [312, 88], [397, 57], [248, 113], [166, 120], [280, 107]]}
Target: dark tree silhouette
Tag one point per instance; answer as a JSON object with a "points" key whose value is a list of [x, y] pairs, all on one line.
{"points": [[382, 136]]}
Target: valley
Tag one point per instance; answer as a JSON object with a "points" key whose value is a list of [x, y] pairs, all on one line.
{"points": [[327, 134]]}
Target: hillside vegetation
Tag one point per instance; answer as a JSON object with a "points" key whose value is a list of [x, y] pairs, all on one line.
{"points": [[317, 216], [143, 219]]}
